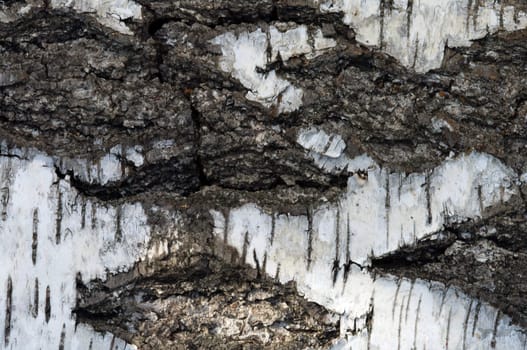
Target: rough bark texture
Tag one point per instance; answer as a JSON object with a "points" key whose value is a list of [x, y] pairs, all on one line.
{"points": [[161, 116]]}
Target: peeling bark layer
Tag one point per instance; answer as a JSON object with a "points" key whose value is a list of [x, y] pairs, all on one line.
{"points": [[266, 174]]}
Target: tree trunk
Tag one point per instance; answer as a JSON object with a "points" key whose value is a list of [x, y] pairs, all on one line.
{"points": [[276, 174]]}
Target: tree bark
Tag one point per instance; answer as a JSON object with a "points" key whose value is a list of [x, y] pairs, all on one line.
{"points": [[273, 174]]}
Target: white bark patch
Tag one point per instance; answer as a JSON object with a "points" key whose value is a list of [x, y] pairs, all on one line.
{"points": [[290, 43], [243, 54], [380, 212], [320, 142], [109, 13], [416, 32], [50, 236], [327, 151], [383, 211], [321, 44], [388, 210], [135, 155], [109, 168]]}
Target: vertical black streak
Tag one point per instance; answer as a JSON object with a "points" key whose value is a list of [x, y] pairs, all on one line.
{"points": [[442, 301], [226, 233], [34, 244], [35, 299], [399, 282], [264, 263], [480, 199], [476, 316], [408, 301], [347, 265], [4, 200], [428, 199], [336, 262], [118, 229], [400, 186], [93, 216], [8, 309], [62, 337], [243, 258], [329, 143], [83, 214], [465, 325], [112, 342], [309, 237], [417, 322], [273, 223], [47, 308], [122, 164], [399, 328], [269, 49], [369, 318], [409, 11], [495, 330], [257, 262], [4, 192], [382, 10], [416, 52], [99, 170], [387, 210], [448, 327], [58, 221]]}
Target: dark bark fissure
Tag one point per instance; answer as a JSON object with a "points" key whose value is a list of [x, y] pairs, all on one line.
{"points": [[213, 281]]}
